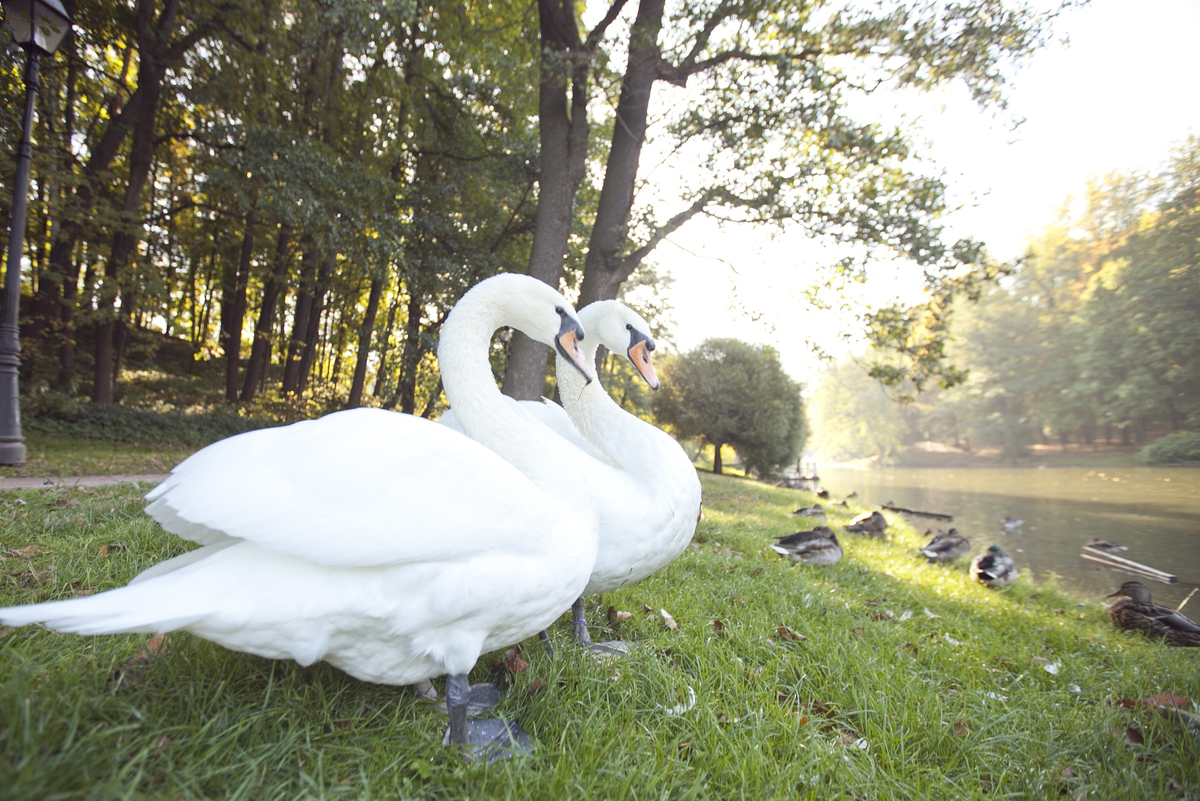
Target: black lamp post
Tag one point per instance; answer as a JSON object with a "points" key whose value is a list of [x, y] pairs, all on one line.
{"points": [[38, 26]]}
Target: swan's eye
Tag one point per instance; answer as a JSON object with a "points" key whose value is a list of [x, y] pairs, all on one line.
{"points": [[559, 310], [628, 326]]}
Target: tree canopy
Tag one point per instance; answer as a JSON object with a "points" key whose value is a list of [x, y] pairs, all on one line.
{"points": [[733, 393]]}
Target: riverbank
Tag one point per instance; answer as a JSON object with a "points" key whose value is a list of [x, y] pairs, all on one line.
{"points": [[878, 677], [937, 454]]}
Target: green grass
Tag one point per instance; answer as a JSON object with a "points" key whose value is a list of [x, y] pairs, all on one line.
{"points": [[50, 455], [773, 718]]}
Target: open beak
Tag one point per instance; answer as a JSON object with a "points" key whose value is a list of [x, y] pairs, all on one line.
{"points": [[567, 343], [639, 353]]}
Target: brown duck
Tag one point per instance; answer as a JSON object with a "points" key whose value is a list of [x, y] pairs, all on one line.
{"points": [[873, 524], [1139, 613]]}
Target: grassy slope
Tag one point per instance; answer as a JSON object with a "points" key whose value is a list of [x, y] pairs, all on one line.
{"points": [[48, 455], [206, 723]]}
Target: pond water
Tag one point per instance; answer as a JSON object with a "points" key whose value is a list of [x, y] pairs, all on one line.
{"points": [[1153, 511]]}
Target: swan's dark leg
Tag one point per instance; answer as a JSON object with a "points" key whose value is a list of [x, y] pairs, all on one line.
{"points": [[600, 649], [458, 694], [544, 636], [581, 627], [488, 740]]}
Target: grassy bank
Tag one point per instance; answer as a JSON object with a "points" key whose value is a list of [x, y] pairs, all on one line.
{"points": [[880, 677]]}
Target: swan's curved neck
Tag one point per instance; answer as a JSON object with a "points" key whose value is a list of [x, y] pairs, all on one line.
{"points": [[470, 388], [601, 420]]}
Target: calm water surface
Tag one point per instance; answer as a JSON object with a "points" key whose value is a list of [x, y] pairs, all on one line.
{"points": [[1154, 511]]}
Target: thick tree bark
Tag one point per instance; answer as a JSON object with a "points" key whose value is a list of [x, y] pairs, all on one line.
{"points": [[380, 377], [304, 306], [563, 131], [410, 356], [156, 55], [260, 350], [718, 468], [313, 336], [233, 305], [364, 344]]}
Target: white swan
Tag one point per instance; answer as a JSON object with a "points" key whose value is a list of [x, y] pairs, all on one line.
{"points": [[384, 544], [646, 489]]}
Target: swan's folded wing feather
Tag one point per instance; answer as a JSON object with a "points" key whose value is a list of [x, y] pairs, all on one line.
{"points": [[354, 489]]}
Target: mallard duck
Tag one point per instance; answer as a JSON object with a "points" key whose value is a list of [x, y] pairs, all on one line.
{"points": [[994, 567], [946, 546], [1011, 523], [1104, 545], [816, 547], [823, 495], [815, 510], [1155, 620], [873, 524]]}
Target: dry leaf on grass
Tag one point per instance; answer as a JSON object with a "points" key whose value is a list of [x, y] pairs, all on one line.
{"points": [[718, 626], [536, 686], [162, 742], [960, 728], [668, 620], [616, 618], [905, 615], [1067, 773], [931, 615], [103, 552], [1134, 735], [26, 552], [1167, 700], [513, 660], [787, 634], [756, 571]]}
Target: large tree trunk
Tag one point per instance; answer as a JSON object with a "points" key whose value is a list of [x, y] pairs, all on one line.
{"points": [[155, 56], [410, 355], [233, 306], [718, 468], [260, 350], [313, 336], [364, 344], [380, 377], [304, 307], [605, 267], [563, 130]]}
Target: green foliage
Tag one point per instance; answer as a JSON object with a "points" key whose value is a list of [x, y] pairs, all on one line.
{"points": [[1182, 446], [56, 415], [1095, 334], [732, 393]]}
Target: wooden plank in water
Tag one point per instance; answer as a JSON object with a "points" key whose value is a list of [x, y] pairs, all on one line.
{"points": [[1128, 565], [916, 512]]}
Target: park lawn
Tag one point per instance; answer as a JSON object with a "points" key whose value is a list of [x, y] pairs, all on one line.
{"points": [[816, 683], [49, 455]]}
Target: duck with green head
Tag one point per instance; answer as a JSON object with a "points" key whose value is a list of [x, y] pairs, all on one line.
{"points": [[994, 567], [1138, 613]]}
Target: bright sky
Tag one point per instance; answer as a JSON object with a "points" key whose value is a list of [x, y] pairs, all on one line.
{"points": [[1118, 97]]}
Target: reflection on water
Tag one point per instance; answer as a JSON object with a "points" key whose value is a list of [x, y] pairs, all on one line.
{"points": [[1154, 511]]}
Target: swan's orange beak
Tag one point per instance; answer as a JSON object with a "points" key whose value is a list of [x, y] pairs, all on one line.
{"points": [[639, 354], [567, 343]]}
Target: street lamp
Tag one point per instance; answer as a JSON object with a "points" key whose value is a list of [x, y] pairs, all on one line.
{"points": [[38, 26]]}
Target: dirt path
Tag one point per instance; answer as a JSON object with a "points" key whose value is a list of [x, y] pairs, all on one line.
{"points": [[53, 482]]}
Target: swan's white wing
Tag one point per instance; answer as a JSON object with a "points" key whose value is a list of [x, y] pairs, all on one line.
{"points": [[549, 414], [354, 489]]}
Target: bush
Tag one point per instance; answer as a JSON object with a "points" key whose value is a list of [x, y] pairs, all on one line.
{"points": [[1182, 446], [55, 414]]}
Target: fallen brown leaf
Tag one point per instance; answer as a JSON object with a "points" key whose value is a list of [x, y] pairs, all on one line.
{"points": [[1127, 703], [1174, 784], [756, 571], [27, 551], [155, 643], [960, 728], [103, 552], [536, 686], [1067, 773], [803, 720], [718, 626], [787, 634], [513, 660], [911, 648], [871, 602], [646, 608], [668, 620], [1167, 700], [1134, 735]]}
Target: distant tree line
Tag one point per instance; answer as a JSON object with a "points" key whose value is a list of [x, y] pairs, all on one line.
{"points": [[288, 196], [1094, 337]]}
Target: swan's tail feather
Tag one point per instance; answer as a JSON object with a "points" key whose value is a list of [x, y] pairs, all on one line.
{"points": [[140, 608]]}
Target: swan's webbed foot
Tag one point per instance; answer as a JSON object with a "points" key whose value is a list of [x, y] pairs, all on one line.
{"points": [[610, 649], [601, 650], [544, 636], [487, 740]]}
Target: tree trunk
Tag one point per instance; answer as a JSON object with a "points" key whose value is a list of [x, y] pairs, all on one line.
{"points": [[313, 336], [563, 134], [606, 267], [717, 467], [155, 55], [304, 308], [260, 350], [385, 347], [410, 355], [364, 344], [233, 305]]}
